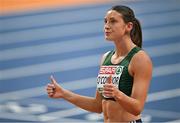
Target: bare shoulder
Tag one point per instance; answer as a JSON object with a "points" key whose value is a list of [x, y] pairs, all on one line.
{"points": [[142, 56], [103, 57], [141, 62]]}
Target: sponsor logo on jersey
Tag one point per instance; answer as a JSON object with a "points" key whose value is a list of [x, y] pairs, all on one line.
{"points": [[105, 71]]}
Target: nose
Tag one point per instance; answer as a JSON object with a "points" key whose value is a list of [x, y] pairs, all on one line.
{"points": [[106, 26]]}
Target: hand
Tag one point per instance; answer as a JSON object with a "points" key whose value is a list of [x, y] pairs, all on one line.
{"points": [[54, 90], [110, 90]]}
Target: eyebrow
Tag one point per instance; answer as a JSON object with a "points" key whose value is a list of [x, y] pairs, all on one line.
{"points": [[111, 18]]}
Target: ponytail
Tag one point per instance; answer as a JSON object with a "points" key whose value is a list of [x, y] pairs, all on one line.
{"points": [[136, 33]]}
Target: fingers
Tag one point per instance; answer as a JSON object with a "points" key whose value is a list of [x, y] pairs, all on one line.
{"points": [[108, 94], [50, 85], [108, 87], [50, 89], [108, 91]]}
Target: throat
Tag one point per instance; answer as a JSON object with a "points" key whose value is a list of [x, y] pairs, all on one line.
{"points": [[118, 56], [116, 60]]}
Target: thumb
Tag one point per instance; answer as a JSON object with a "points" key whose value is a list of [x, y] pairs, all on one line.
{"points": [[53, 81], [110, 79]]}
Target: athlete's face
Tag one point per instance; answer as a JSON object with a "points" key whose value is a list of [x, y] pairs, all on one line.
{"points": [[114, 26]]}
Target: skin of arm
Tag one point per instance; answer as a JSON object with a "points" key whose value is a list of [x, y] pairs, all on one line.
{"points": [[141, 70], [88, 103], [92, 104], [84, 102]]}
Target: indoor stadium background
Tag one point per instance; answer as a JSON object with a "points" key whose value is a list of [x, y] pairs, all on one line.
{"points": [[64, 38]]}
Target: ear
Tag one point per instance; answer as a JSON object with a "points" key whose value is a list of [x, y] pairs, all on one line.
{"points": [[129, 26]]}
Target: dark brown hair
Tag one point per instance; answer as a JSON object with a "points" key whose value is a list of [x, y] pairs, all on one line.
{"points": [[128, 16]]}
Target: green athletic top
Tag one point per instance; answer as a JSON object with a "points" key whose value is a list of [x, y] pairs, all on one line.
{"points": [[126, 80]]}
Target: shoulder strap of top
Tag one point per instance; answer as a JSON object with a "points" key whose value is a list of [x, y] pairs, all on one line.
{"points": [[130, 55], [127, 59], [107, 60], [133, 52]]}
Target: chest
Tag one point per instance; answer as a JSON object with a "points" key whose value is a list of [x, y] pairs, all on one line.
{"points": [[116, 60]]}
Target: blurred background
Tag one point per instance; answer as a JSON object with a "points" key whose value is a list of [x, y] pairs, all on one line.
{"points": [[64, 38]]}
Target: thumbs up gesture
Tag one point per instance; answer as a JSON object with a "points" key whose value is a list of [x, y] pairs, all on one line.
{"points": [[109, 88], [54, 90]]}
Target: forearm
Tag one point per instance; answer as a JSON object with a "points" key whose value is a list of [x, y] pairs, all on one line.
{"points": [[84, 102], [130, 104]]}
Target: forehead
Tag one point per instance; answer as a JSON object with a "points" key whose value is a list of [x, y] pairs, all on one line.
{"points": [[113, 14]]}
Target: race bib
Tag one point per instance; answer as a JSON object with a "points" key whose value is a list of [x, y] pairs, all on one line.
{"points": [[105, 71]]}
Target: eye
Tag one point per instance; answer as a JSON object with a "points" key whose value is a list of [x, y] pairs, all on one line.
{"points": [[113, 21], [105, 20]]}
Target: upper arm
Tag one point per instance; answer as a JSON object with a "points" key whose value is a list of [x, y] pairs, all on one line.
{"points": [[141, 68]]}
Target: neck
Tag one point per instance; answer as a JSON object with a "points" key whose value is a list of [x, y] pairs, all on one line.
{"points": [[122, 47]]}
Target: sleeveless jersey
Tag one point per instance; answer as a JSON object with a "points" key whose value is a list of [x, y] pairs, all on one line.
{"points": [[119, 72]]}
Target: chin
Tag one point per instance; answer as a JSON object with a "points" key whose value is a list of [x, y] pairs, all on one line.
{"points": [[108, 38]]}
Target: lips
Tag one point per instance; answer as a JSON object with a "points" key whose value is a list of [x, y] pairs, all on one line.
{"points": [[107, 33]]}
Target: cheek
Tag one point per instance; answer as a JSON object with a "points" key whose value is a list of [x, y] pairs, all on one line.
{"points": [[120, 30]]}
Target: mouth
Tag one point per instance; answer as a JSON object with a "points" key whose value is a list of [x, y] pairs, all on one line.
{"points": [[107, 33]]}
